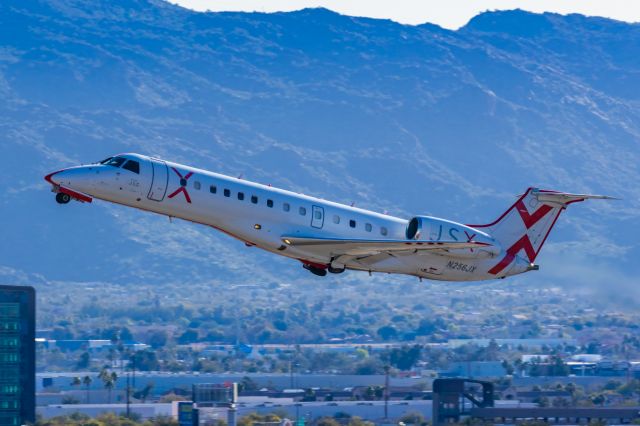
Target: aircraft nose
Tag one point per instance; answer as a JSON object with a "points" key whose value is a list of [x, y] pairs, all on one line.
{"points": [[54, 178], [74, 177]]}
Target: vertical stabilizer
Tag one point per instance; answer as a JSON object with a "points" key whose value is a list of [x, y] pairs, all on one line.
{"points": [[525, 226]]}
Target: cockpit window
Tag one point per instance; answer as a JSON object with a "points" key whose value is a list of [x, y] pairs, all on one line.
{"points": [[115, 162], [106, 160], [134, 167]]}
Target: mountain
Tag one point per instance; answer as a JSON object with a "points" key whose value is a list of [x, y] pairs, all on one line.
{"points": [[408, 119]]}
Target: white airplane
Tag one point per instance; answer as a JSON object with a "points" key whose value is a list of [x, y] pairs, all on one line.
{"points": [[323, 235]]}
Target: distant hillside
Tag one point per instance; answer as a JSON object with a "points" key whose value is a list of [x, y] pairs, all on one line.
{"points": [[409, 119]]}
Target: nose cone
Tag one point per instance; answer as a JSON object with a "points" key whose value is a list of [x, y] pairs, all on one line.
{"points": [[78, 178], [54, 178]]}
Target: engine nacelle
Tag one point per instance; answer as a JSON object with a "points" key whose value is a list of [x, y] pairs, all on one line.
{"points": [[427, 228]]}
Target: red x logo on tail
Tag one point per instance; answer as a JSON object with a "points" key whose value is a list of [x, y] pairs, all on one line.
{"points": [[183, 185], [524, 243]]}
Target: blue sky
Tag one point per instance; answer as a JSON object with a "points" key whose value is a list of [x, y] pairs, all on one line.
{"points": [[449, 14]]}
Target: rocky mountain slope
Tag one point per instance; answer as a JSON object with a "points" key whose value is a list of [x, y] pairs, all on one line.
{"points": [[408, 119]]}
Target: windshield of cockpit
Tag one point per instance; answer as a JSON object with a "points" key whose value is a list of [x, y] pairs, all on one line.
{"points": [[113, 161], [131, 165]]}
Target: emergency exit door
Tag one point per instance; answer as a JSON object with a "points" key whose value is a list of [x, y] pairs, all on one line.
{"points": [[317, 217]]}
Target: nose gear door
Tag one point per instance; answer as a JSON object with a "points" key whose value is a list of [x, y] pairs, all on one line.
{"points": [[159, 180]]}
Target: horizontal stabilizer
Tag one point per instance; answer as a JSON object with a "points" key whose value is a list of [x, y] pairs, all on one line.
{"points": [[564, 198], [357, 247]]}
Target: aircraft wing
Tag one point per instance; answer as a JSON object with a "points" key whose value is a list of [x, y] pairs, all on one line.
{"points": [[359, 247]]}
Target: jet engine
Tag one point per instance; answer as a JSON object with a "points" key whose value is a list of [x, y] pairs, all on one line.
{"points": [[427, 228]]}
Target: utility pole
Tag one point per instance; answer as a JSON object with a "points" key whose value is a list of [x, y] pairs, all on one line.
{"points": [[386, 391], [133, 363]]}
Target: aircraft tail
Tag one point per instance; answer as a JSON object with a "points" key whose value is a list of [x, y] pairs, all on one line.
{"points": [[525, 226]]}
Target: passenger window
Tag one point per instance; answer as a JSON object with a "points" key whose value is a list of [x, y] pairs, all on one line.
{"points": [[383, 230], [196, 185], [132, 166], [213, 189], [115, 162], [254, 199], [269, 203], [303, 211], [336, 218], [318, 214], [227, 193], [286, 207], [240, 196], [352, 223], [368, 227]]}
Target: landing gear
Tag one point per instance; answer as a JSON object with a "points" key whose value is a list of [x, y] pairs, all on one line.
{"points": [[62, 198], [335, 270], [315, 270]]}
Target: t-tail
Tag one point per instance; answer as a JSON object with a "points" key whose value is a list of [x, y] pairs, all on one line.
{"points": [[525, 226]]}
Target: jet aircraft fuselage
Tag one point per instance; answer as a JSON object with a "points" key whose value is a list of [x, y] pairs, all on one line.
{"points": [[323, 235]]}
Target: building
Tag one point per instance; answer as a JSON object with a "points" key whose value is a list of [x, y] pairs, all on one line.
{"points": [[144, 411], [475, 369], [17, 355]]}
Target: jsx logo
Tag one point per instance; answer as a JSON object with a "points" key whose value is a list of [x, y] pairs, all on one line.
{"points": [[524, 243], [436, 236], [183, 185]]}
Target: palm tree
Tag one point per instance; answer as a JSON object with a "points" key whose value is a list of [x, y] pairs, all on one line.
{"points": [[86, 380], [110, 383], [109, 380], [76, 382]]}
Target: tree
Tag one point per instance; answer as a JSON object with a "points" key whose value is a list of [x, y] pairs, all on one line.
{"points": [[357, 421], [158, 339], [247, 384], [70, 400], [599, 399], [125, 334], [189, 336], [144, 393], [109, 380], [405, 357], [111, 384], [508, 367], [84, 361], [86, 381], [327, 421], [413, 418], [252, 418], [542, 401], [145, 360], [368, 366], [387, 332], [558, 366]]}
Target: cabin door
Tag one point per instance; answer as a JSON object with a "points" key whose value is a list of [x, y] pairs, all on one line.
{"points": [[159, 180], [317, 217]]}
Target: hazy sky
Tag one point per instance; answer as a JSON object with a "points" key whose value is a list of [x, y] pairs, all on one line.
{"points": [[446, 13]]}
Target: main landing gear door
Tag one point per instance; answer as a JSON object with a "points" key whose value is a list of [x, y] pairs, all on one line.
{"points": [[159, 180]]}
